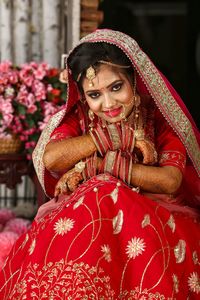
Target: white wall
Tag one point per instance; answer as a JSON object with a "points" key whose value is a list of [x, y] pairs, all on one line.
{"points": [[39, 30]]}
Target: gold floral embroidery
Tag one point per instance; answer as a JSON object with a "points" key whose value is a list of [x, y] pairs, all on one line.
{"points": [[118, 222], [114, 195], [179, 251], [146, 221], [41, 144], [79, 202], [135, 247], [142, 295], [32, 246], [194, 282], [195, 257], [62, 226], [176, 283], [172, 158], [63, 281], [171, 223], [107, 253], [25, 240]]}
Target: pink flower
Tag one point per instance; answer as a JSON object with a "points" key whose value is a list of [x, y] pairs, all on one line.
{"points": [[45, 66], [2, 88], [49, 109], [7, 119], [29, 145], [30, 100], [39, 73], [3, 79], [5, 66], [22, 94], [32, 108], [13, 77], [5, 106], [6, 215], [7, 240], [39, 90], [17, 225], [33, 65], [29, 95]]}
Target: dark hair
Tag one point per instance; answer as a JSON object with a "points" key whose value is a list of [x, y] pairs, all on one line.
{"points": [[88, 54]]}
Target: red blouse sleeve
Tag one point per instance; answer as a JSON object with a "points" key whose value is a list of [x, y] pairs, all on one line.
{"points": [[171, 151], [69, 127]]}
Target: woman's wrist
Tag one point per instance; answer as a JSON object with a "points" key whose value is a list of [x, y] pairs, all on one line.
{"points": [[64, 154]]}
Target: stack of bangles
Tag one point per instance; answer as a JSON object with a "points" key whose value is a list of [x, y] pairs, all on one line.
{"points": [[106, 138], [118, 165], [112, 137], [89, 168], [115, 163]]}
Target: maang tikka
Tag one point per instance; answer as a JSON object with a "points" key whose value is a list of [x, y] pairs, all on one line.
{"points": [[90, 75]]}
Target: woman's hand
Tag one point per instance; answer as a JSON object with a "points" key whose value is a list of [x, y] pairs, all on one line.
{"points": [[68, 182], [148, 151]]}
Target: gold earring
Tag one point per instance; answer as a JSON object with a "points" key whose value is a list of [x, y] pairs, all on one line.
{"points": [[122, 115], [91, 117], [136, 98], [90, 75], [63, 76]]}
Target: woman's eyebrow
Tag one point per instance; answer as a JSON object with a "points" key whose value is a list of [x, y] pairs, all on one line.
{"points": [[108, 86]]}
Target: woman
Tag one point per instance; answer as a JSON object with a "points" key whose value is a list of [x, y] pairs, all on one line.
{"points": [[122, 163]]}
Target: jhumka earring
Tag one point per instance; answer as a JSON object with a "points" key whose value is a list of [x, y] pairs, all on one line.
{"points": [[91, 117], [122, 115], [90, 75], [138, 122]]}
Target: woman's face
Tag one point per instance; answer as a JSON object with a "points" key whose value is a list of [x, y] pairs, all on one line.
{"points": [[111, 96]]}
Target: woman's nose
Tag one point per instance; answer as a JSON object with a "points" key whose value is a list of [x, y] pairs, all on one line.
{"points": [[108, 101]]}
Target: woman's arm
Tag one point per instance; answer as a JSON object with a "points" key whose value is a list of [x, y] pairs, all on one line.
{"points": [[154, 179], [63, 155]]}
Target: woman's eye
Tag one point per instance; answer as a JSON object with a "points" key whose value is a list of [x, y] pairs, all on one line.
{"points": [[94, 95], [117, 87]]}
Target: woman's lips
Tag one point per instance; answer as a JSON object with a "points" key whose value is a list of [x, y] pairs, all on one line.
{"points": [[113, 113]]}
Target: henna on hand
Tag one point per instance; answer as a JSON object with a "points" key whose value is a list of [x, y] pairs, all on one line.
{"points": [[61, 186], [148, 151], [68, 182], [74, 181]]}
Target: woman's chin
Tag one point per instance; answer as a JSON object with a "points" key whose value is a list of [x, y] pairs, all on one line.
{"points": [[113, 119]]}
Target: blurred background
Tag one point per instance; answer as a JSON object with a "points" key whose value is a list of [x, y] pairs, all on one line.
{"points": [[169, 32]]}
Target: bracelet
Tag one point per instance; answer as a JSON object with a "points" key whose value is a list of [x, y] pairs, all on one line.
{"points": [[110, 161], [90, 169], [125, 168], [80, 166], [115, 135], [99, 139]]}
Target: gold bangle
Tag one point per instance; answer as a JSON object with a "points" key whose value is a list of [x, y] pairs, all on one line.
{"points": [[80, 166]]}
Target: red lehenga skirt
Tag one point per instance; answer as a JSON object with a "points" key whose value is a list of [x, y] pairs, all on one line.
{"points": [[106, 241]]}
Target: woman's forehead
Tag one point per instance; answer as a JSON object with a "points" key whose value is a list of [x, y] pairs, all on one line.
{"points": [[105, 75]]}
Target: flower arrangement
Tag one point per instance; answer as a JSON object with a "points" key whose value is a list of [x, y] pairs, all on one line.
{"points": [[29, 95], [11, 228]]}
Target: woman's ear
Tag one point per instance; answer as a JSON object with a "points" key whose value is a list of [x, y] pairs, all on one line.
{"points": [[63, 76]]}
